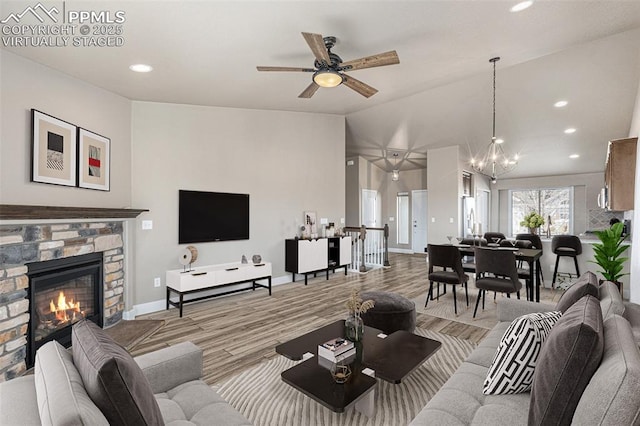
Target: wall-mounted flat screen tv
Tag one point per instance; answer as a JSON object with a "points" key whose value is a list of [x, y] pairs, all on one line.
{"points": [[212, 216]]}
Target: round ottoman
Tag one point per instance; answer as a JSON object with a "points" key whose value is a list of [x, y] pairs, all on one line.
{"points": [[392, 312]]}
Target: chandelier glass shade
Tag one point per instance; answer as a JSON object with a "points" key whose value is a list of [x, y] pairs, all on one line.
{"points": [[494, 162], [327, 78]]}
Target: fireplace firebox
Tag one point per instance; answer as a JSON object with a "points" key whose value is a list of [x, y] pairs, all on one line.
{"points": [[61, 293]]}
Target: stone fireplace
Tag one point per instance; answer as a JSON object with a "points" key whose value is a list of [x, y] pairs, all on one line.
{"points": [[23, 245]]}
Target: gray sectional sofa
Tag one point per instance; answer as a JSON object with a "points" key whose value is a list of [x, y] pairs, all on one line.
{"points": [[608, 396], [98, 383]]}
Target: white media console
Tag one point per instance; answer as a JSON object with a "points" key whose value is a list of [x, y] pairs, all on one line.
{"points": [[215, 276]]}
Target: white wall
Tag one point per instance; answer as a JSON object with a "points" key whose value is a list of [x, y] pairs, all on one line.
{"points": [[25, 85], [444, 178], [409, 180], [288, 163], [634, 131]]}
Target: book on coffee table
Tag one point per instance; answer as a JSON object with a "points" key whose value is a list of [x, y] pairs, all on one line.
{"points": [[336, 348], [344, 359]]}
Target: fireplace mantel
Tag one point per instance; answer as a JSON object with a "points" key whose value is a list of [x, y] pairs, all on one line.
{"points": [[27, 212]]}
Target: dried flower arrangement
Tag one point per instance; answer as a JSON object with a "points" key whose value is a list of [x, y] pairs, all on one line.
{"points": [[356, 306]]}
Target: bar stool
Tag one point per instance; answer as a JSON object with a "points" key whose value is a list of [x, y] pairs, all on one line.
{"points": [[537, 244], [568, 246]]}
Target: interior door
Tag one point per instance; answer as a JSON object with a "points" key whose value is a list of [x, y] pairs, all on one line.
{"points": [[419, 220], [371, 209]]}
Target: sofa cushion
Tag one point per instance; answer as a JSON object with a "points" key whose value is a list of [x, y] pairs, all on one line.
{"points": [[111, 377], [569, 357], [515, 360], [612, 396], [196, 403], [18, 401], [610, 300], [586, 284], [460, 402], [62, 399]]}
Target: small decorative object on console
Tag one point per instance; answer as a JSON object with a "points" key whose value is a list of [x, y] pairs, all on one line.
{"points": [[188, 256], [354, 326], [256, 258], [244, 259]]}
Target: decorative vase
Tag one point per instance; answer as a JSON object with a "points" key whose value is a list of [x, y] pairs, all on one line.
{"points": [[354, 327], [533, 231]]}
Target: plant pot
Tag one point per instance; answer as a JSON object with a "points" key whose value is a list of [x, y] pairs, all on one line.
{"points": [[617, 283], [533, 231]]}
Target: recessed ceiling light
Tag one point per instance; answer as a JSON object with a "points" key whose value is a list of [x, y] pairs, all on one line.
{"points": [[574, 156], [141, 68], [560, 104], [522, 6], [570, 130]]}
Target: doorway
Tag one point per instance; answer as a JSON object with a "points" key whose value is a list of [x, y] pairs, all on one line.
{"points": [[371, 208], [419, 220]]}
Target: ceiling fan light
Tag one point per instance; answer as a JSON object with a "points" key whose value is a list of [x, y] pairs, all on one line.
{"points": [[395, 175], [327, 78]]}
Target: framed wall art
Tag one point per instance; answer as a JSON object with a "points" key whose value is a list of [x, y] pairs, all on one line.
{"points": [[93, 160], [53, 150]]}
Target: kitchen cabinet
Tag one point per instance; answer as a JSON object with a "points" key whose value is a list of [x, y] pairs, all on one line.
{"points": [[619, 175]]}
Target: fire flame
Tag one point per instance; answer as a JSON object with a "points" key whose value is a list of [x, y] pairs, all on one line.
{"points": [[62, 309]]}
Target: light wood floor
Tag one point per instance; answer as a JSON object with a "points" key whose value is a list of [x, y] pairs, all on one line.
{"points": [[241, 330]]}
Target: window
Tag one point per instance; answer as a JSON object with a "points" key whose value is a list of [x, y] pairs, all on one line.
{"points": [[553, 204], [402, 214]]}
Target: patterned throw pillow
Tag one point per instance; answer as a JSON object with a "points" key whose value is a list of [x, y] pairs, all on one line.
{"points": [[514, 363]]}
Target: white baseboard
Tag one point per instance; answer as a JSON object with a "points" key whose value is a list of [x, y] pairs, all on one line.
{"points": [[399, 250], [160, 305]]}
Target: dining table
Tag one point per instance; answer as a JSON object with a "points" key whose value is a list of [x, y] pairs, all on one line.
{"points": [[528, 255]]}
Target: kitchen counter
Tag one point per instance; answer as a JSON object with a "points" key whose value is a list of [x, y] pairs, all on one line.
{"points": [[585, 260]]}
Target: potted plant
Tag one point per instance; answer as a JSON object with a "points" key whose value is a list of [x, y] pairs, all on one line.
{"points": [[532, 221], [608, 253]]}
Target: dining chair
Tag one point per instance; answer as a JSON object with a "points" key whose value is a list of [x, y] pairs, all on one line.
{"points": [[566, 246], [489, 236], [495, 271], [448, 258], [468, 263], [537, 244]]}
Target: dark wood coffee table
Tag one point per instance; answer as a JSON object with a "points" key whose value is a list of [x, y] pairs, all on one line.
{"points": [[391, 358]]}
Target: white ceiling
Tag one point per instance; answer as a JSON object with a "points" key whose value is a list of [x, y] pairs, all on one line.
{"points": [[205, 53]]}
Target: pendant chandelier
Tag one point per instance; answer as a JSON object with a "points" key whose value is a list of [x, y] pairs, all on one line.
{"points": [[396, 172], [495, 161]]}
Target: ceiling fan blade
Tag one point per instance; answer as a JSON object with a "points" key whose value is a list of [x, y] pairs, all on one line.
{"points": [[260, 68], [379, 60], [316, 43], [309, 91], [360, 87]]}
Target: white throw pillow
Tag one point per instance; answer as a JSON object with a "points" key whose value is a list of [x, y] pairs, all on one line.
{"points": [[512, 368]]}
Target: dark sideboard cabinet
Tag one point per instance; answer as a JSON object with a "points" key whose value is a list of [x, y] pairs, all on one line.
{"points": [[317, 255]]}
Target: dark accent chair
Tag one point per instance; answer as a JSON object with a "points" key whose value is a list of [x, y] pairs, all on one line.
{"points": [[567, 246], [448, 258], [495, 271]]}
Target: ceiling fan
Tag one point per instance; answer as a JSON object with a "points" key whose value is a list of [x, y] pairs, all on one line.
{"points": [[329, 70]]}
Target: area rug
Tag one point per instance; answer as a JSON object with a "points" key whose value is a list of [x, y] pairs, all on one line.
{"points": [[130, 333], [262, 397], [443, 308]]}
